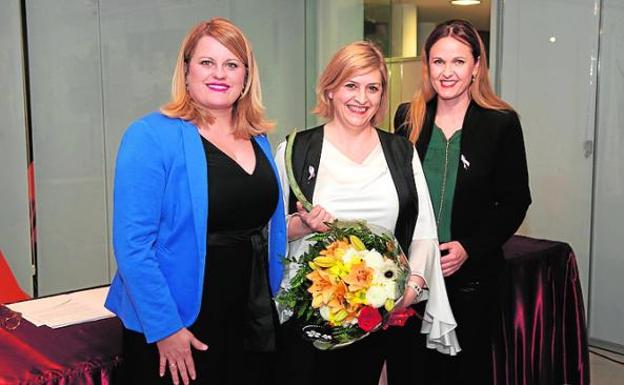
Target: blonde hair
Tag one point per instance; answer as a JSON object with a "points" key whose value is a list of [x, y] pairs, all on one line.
{"points": [[361, 56], [480, 90], [248, 111]]}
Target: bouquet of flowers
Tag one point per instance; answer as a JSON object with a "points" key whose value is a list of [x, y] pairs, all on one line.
{"points": [[347, 281], [346, 284]]}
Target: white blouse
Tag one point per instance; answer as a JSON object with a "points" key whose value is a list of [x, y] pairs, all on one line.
{"points": [[350, 190]]}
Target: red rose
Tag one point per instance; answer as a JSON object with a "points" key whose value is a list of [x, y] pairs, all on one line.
{"points": [[369, 318], [399, 317]]}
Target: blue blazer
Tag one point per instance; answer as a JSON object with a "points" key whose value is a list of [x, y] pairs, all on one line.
{"points": [[159, 226]]}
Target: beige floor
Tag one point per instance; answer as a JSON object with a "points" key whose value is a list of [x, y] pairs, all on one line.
{"points": [[605, 372]]}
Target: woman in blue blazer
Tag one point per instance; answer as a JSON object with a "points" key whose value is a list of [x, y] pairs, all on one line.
{"points": [[196, 190], [471, 146]]}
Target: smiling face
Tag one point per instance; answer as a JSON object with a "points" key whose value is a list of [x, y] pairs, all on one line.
{"points": [[215, 76], [356, 101], [451, 67]]}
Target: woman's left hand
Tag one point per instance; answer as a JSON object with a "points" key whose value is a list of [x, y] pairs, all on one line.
{"points": [[455, 258], [402, 310], [410, 296]]}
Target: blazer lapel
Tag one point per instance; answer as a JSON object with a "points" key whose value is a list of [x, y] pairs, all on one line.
{"points": [[306, 157], [197, 172], [277, 228], [468, 126], [425, 134]]}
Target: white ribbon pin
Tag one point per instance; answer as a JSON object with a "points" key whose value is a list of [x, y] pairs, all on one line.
{"points": [[311, 172], [465, 162]]}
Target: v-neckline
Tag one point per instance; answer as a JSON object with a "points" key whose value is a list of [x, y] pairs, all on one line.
{"points": [[363, 162], [342, 154], [253, 146], [441, 131]]}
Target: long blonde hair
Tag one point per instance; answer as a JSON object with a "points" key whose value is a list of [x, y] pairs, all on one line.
{"points": [[360, 56], [480, 90], [248, 111]]}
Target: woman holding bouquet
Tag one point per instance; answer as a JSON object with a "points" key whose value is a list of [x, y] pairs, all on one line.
{"points": [[192, 289], [350, 170], [471, 146]]}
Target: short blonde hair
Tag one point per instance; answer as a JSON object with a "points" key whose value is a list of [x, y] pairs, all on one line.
{"points": [[361, 56], [248, 111]]}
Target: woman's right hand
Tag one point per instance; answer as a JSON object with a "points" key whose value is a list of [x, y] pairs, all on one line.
{"points": [[175, 353], [303, 222]]}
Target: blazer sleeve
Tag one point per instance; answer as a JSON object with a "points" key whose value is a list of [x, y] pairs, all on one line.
{"points": [[140, 177], [511, 193], [401, 126]]}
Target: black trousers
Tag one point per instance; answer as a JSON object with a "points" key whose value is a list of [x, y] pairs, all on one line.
{"points": [[406, 351], [300, 363], [476, 310]]}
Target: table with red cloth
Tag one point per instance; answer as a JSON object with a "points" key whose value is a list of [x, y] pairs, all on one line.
{"points": [[88, 353], [541, 339]]}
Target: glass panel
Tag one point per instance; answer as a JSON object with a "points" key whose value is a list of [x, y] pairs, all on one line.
{"points": [[68, 144], [330, 26], [277, 31], [377, 24], [606, 317], [14, 221], [548, 75]]}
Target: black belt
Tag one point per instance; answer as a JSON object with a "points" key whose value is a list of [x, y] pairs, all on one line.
{"points": [[260, 334]]}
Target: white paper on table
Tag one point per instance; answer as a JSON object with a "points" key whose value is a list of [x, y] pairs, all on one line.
{"points": [[65, 309]]}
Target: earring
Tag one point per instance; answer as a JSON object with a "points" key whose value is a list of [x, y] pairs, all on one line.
{"points": [[473, 78]]}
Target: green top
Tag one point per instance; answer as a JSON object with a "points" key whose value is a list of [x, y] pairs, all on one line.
{"points": [[440, 167]]}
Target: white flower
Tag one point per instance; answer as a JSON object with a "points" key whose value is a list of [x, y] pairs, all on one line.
{"points": [[351, 256], [390, 288], [389, 270], [376, 296], [386, 277], [324, 311], [373, 259]]}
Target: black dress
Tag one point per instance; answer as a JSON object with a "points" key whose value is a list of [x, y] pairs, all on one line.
{"points": [[239, 207]]}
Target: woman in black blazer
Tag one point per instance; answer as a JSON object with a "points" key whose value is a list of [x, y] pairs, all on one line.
{"points": [[471, 146]]}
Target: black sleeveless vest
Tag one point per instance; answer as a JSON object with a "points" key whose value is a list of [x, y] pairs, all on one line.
{"points": [[398, 152]]}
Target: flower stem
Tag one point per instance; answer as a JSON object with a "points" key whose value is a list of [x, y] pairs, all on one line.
{"points": [[291, 175]]}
